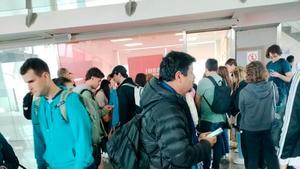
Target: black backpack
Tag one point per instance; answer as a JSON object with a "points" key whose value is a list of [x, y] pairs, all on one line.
{"points": [[124, 147], [222, 97], [27, 102]]}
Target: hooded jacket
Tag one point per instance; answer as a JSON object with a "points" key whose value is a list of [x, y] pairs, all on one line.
{"points": [[256, 103], [166, 134], [61, 144]]}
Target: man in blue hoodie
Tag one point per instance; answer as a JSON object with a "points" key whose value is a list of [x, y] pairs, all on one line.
{"points": [[58, 144]]}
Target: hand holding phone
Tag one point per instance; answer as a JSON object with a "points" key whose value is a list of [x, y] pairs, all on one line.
{"points": [[204, 136], [215, 133]]}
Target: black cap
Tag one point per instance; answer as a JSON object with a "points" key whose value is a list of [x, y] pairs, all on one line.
{"points": [[119, 69]]}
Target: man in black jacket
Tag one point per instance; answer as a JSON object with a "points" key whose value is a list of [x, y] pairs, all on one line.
{"points": [[8, 159], [127, 107], [168, 133]]}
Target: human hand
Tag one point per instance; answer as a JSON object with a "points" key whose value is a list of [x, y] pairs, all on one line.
{"points": [[107, 118], [108, 107], [275, 74], [204, 136]]}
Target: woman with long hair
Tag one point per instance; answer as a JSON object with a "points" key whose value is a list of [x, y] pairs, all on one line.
{"points": [[102, 94], [223, 72], [238, 78]]}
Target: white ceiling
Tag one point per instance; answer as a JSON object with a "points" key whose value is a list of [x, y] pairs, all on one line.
{"points": [[251, 15]]}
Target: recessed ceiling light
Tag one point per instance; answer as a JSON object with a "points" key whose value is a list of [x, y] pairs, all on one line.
{"points": [[121, 40], [133, 44]]}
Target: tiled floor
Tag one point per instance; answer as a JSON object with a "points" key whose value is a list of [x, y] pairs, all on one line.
{"points": [[24, 151]]}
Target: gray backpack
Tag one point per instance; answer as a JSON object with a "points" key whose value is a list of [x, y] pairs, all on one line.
{"points": [[98, 131]]}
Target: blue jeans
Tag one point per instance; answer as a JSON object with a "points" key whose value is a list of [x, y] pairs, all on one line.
{"points": [[218, 148], [226, 141], [238, 139]]}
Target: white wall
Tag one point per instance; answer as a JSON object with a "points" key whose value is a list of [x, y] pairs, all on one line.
{"points": [[260, 38], [290, 46]]}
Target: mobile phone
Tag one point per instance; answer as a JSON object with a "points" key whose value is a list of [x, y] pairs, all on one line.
{"points": [[216, 132]]}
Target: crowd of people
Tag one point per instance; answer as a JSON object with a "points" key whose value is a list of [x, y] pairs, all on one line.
{"points": [[72, 123]]}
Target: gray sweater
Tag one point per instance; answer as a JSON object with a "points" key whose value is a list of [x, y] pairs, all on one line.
{"points": [[256, 103]]}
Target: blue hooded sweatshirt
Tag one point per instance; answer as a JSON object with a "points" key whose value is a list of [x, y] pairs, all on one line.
{"points": [[61, 144]]}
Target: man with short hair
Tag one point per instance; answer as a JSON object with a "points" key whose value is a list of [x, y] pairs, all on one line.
{"points": [[210, 120], [93, 78], [168, 133], [58, 143], [280, 73], [127, 106]]}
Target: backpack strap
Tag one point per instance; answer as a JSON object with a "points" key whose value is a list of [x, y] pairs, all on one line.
{"points": [[214, 81], [96, 92], [215, 84], [87, 90], [62, 104], [128, 84], [36, 104], [137, 92], [137, 95], [210, 106]]}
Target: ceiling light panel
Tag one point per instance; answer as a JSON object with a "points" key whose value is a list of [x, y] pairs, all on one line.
{"points": [[121, 40], [133, 44]]}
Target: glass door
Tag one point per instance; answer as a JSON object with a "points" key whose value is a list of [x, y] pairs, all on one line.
{"points": [[205, 45]]}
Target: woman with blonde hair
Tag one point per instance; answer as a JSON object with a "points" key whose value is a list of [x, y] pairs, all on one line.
{"points": [[239, 77], [256, 104]]}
